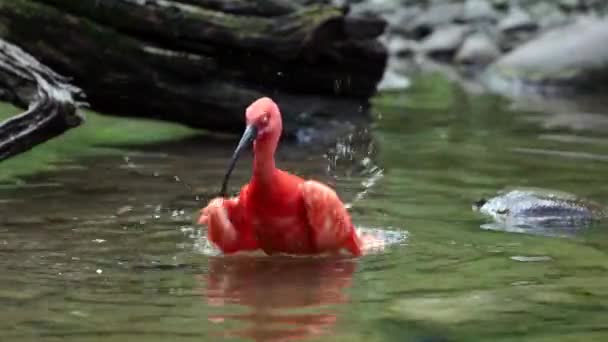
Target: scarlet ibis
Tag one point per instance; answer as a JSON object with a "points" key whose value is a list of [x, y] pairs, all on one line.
{"points": [[276, 211]]}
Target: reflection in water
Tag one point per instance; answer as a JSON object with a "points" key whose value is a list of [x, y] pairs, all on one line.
{"points": [[277, 293]]}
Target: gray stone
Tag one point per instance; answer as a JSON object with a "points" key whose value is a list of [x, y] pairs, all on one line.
{"points": [[400, 47], [536, 207], [548, 15], [393, 80], [446, 39], [477, 10], [574, 57], [500, 4], [570, 4], [553, 20], [373, 6], [436, 15], [478, 49], [399, 21], [517, 20]]}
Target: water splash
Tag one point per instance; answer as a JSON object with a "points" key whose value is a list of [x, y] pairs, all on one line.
{"points": [[375, 240]]}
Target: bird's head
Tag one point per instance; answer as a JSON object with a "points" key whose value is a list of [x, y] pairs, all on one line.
{"points": [[264, 116], [264, 126]]}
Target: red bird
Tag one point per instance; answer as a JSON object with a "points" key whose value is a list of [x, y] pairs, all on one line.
{"points": [[276, 211]]}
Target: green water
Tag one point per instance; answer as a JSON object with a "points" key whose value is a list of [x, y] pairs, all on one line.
{"points": [[101, 246]]}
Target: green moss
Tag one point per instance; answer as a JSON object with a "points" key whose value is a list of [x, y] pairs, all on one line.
{"points": [[97, 135]]}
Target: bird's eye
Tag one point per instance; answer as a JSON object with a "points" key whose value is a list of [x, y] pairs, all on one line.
{"points": [[265, 118]]}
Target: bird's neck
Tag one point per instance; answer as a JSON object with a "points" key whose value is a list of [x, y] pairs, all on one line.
{"points": [[263, 163]]}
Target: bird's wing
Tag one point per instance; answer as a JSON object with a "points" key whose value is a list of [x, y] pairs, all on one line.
{"points": [[227, 228], [330, 222]]}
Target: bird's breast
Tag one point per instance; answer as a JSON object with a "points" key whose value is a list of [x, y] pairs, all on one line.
{"points": [[282, 227]]}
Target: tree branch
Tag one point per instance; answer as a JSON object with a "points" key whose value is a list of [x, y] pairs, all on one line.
{"points": [[52, 108]]}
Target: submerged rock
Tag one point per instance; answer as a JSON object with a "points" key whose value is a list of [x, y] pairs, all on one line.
{"points": [[570, 4], [479, 10], [401, 47], [574, 57], [548, 15], [500, 4], [517, 20], [436, 15], [445, 40], [540, 208], [478, 49]]}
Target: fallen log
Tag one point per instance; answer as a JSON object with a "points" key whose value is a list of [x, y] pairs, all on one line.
{"points": [[51, 101], [200, 63]]}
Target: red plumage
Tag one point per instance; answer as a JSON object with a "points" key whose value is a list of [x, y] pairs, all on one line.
{"points": [[276, 211]]}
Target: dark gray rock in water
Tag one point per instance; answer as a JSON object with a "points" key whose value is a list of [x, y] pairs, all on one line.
{"points": [[436, 15], [445, 40], [500, 4], [479, 10], [400, 18], [570, 58], [539, 210], [401, 47], [570, 4], [478, 49], [516, 28], [548, 15], [517, 20]]}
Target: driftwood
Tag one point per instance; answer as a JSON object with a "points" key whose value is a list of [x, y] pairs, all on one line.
{"points": [[50, 98], [201, 62]]}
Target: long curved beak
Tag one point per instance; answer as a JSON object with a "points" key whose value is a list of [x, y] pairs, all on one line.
{"points": [[246, 139]]}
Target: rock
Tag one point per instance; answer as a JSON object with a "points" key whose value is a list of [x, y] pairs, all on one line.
{"points": [[517, 20], [574, 57], [400, 47], [553, 20], [516, 28], [548, 15], [372, 6], [479, 10], [437, 15], [445, 40], [400, 18], [478, 49], [570, 5], [393, 80], [500, 4], [530, 208]]}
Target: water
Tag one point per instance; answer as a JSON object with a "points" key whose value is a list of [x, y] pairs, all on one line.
{"points": [[103, 247]]}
